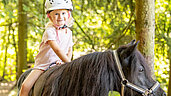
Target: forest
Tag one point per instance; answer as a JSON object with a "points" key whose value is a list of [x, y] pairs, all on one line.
{"points": [[98, 25]]}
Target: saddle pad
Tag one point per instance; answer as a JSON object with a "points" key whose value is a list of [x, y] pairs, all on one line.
{"points": [[39, 85]]}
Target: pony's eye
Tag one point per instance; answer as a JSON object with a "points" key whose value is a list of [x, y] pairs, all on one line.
{"points": [[141, 70], [56, 14]]}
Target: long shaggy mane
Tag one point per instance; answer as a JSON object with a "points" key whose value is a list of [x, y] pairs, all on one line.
{"points": [[90, 75]]}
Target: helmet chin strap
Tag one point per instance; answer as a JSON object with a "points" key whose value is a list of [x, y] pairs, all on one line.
{"points": [[48, 15], [59, 27]]}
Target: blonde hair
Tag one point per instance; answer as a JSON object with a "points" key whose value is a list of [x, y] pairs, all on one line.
{"points": [[70, 21]]}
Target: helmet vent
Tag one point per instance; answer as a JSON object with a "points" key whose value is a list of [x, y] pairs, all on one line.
{"points": [[51, 1]]}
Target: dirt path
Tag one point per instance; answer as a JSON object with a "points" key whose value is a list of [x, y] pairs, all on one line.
{"points": [[5, 89]]}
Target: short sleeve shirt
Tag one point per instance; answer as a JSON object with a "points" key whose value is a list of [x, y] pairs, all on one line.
{"points": [[46, 55]]}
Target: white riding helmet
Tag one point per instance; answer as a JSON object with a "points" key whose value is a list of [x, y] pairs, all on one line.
{"points": [[58, 4]]}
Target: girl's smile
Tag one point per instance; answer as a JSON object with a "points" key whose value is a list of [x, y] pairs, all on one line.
{"points": [[60, 20]]}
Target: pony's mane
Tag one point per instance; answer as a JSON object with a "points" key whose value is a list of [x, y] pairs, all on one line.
{"points": [[95, 69]]}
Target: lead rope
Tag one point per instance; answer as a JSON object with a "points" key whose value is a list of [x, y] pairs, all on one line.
{"points": [[122, 90]]}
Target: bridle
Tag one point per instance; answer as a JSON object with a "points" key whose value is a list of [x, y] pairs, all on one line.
{"points": [[125, 82]]}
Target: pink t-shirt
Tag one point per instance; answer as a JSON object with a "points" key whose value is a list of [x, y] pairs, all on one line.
{"points": [[46, 55]]}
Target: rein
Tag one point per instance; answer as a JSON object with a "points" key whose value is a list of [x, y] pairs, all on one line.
{"points": [[125, 82]]}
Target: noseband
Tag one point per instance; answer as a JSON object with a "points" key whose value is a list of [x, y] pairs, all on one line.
{"points": [[125, 82]]}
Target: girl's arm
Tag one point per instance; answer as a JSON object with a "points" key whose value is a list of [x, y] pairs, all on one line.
{"points": [[53, 44], [69, 54]]}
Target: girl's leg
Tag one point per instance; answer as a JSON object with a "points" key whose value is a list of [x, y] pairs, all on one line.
{"points": [[29, 82]]}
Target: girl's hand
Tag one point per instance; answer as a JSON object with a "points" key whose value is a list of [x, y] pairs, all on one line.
{"points": [[59, 62]]}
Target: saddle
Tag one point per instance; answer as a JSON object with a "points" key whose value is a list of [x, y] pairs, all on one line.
{"points": [[39, 84]]}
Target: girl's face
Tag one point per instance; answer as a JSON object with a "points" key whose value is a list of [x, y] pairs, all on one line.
{"points": [[59, 17]]}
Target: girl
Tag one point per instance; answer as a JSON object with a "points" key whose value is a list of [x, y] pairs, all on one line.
{"points": [[56, 45]]}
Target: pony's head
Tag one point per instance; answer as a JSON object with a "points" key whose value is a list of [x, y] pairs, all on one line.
{"points": [[137, 71]]}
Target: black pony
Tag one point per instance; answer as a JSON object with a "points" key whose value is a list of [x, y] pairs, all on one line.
{"points": [[96, 74]]}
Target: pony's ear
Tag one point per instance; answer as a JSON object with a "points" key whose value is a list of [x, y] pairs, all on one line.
{"points": [[131, 43], [129, 50]]}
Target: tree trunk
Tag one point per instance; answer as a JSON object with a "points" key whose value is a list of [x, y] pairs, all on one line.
{"points": [[169, 57], [145, 29], [22, 35]]}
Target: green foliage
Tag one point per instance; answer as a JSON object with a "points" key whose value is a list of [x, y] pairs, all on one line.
{"points": [[162, 46], [102, 24], [98, 26], [113, 93]]}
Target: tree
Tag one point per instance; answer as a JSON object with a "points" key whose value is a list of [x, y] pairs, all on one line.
{"points": [[22, 35], [145, 29], [169, 57], [169, 88]]}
